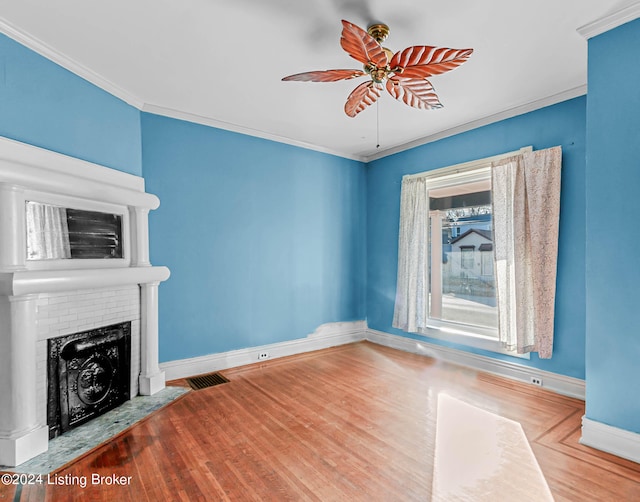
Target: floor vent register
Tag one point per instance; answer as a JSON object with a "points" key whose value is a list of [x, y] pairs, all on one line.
{"points": [[205, 381]]}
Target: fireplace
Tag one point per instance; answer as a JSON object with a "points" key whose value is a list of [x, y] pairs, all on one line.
{"points": [[93, 307], [88, 375]]}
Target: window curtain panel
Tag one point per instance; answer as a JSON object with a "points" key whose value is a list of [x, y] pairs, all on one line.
{"points": [[47, 232], [412, 292], [526, 212]]}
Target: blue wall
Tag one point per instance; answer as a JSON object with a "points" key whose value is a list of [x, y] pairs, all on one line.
{"points": [[612, 201], [47, 106], [265, 241], [283, 232], [562, 124]]}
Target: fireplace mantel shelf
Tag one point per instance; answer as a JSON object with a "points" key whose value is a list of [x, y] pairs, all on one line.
{"points": [[25, 282]]}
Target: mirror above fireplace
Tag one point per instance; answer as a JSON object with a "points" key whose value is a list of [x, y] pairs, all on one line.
{"points": [[62, 233]]}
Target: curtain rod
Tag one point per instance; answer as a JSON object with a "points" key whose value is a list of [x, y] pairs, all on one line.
{"points": [[467, 166]]}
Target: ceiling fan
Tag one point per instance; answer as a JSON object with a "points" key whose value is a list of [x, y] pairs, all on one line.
{"points": [[404, 74]]}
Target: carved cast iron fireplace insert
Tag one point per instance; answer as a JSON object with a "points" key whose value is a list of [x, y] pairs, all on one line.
{"points": [[88, 375]]}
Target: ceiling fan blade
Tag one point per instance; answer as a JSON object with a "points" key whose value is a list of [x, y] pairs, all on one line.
{"points": [[362, 96], [324, 76], [421, 61], [418, 93], [361, 46]]}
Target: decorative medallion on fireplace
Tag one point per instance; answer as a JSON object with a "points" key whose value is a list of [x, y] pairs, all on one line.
{"points": [[88, 375]]}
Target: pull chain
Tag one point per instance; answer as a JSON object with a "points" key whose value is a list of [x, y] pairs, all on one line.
{"points": [[378, 124]]}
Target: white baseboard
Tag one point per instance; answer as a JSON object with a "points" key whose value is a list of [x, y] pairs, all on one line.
{"points": [[341, 333], [325, 336], [561, 384], [607, 438]]}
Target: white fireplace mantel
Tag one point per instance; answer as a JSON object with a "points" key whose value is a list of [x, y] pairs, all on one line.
{"points": [[30, 173], [28, 282]]}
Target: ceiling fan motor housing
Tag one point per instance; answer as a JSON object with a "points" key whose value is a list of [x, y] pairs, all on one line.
{"points": [[379, 31]]}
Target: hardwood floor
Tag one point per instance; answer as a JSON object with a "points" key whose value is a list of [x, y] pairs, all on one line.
{"points": [[350, 423]]}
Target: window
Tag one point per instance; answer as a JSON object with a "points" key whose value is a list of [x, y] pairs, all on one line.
{"points": [[446, 285], [461, 282]]}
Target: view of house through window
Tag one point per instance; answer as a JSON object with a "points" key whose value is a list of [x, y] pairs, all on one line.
{"points": [[461, 279]]}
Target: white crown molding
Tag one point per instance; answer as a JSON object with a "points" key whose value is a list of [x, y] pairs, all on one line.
{"points": [[68, 63], [610, 21], [611, 439], [506, 114], [325, 336], [98, 80], [561, 384], [85, 73], [228, 126]]}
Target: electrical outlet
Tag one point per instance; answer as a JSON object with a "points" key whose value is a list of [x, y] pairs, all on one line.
{"points": [[263, 355], [536, 381]]}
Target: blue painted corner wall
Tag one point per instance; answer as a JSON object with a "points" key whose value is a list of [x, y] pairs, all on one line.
{"points": [[45, 105], [561, 124], [265, 241], [612, 270]]}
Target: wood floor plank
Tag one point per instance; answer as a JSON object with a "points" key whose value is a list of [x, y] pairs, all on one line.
{"points": [[355, 422]]}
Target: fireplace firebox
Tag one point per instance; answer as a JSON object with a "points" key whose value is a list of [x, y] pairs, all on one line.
{"points": [[88, 375]]}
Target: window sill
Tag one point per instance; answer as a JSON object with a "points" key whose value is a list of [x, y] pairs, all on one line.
{"points": [[462, 335]]}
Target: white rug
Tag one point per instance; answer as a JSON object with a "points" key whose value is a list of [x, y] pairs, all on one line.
{"points": [[480, 456]]}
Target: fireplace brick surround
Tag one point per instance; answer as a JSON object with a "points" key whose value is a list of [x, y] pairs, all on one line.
{"points": [[40, 301], [61, 314]]}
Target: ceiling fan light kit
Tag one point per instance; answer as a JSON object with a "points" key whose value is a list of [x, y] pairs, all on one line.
{"points": [[404, 74]]}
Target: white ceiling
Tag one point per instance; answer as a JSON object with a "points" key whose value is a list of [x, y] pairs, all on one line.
{"points": [[221, 62]]}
